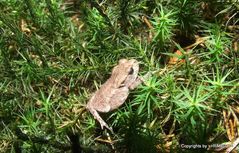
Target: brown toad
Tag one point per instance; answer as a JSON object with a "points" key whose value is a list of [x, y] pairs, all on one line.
{"points": [[113, 93]]}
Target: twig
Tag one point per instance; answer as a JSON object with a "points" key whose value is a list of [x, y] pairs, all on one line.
{"points": [[234, 144], [97, 6]]}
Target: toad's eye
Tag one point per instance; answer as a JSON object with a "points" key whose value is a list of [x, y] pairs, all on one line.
{"points": [[131, 71]]}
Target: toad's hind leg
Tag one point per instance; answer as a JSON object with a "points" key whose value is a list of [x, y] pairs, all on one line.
{"points": [[119, 97], [98, 118]]}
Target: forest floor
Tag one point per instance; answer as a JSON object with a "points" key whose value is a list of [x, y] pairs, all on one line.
{"points": [[54, 54]]}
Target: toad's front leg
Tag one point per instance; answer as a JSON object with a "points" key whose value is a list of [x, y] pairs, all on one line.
{"points": [[139, 80]]}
